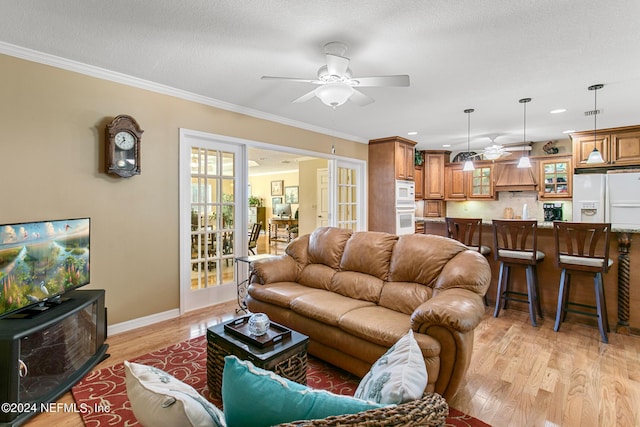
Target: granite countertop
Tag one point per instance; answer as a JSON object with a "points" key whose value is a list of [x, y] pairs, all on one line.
{"points": [[541, 224]]}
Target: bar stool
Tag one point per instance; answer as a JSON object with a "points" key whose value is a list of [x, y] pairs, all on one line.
{"points": [[579, 250], [464, 230], [516, 246]]}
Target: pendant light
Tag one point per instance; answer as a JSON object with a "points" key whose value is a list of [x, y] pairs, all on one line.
{"points": [[524, 161], [595, 156], [468, 164]]}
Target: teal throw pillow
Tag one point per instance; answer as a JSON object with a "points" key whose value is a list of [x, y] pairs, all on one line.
{"points": [[255, 397]]}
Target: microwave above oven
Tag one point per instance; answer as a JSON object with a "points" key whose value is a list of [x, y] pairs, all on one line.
{"points": [[405, 192]]}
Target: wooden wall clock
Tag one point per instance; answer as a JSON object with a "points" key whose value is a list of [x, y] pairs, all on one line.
{"points": [[123, 136]]}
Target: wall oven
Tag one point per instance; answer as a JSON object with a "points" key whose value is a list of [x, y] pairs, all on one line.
{"points": [[405, 192], [405, 221]]}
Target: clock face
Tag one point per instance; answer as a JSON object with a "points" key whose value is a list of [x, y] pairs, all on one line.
{"points": [[124, 140]]}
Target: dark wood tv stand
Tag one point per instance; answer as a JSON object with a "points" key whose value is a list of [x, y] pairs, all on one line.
{"points": [[43, 355]]}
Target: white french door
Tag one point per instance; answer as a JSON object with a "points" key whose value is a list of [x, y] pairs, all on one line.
{"points": [[212, 218], [347, 194]]}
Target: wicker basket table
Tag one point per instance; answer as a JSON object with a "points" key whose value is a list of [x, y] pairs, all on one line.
{"points": [[287, 358]]}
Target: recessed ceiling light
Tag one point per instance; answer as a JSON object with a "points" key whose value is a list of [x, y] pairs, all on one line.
{"points": [[568, 131], [558, 111], [412, 133], [446, 145]]}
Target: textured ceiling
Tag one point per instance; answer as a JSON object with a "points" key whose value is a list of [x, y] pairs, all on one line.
{"points": [[459, 54]]}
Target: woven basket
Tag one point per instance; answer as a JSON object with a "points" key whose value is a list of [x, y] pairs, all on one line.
{"points": [[431, 410]]}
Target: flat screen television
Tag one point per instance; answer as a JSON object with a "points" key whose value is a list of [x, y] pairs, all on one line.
{"points": [[39, 262], [283, 210]]}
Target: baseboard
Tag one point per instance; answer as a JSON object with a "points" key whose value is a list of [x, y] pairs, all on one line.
{"points": [[142, 321]]}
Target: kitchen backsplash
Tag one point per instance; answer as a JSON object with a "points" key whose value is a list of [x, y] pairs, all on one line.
{"points": [[495, 209]]}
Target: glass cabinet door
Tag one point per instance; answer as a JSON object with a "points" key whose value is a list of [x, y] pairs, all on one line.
{"points": [[555, 179], [481, 182]]}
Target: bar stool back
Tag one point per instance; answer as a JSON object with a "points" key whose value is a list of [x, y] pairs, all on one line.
{"points": [[468, 231], [516, 245], [582, 248]]}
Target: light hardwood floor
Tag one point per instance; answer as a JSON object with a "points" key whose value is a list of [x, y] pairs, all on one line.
{"points": [[519, 375]]}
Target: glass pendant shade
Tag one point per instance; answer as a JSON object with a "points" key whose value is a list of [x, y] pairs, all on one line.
{"points": [[524, 162], [595, 157], [334, 94], [468, 166]]}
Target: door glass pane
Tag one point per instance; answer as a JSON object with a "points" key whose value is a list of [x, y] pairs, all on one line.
{"points": [[346, 195], [212, 210]]}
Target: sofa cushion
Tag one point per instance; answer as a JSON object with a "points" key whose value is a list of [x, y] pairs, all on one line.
{"points": [[404, 296], [326, 306], [369, 252], [420, 257], [259, 398], [279, 293], [399, 376], [316, 276], [326, 245], [357, 285]]}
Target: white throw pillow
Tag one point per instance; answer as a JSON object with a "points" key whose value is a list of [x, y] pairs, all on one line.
{"points": [[158, 400], [399, 376]]}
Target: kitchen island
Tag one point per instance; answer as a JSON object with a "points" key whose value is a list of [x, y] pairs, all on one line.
{"points": [[621, 283]]}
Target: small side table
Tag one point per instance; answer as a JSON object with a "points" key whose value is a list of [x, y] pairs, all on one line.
{"points": [[287, 358], [243, 285]]}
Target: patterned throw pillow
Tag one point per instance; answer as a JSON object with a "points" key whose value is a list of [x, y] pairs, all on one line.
{"points": [[399, 376], [255, 397], [158, 400]]}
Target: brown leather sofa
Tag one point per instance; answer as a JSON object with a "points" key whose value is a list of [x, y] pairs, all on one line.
{"points": [[356, 293]]}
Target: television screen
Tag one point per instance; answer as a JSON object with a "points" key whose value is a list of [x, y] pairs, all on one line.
{"points": [[283, 210], [40, 261]]}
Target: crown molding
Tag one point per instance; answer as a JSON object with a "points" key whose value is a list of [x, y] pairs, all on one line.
{"points": [[114, 76]]}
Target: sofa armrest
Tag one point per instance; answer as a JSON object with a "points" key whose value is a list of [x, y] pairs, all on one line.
{"points": [[282, 268], [430, 410], [456, 308]]}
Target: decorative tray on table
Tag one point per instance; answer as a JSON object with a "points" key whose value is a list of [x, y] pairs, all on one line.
{"points": [[240, 328]]}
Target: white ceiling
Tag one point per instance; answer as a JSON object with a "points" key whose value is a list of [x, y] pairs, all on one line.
{"points": [[459, 54]]}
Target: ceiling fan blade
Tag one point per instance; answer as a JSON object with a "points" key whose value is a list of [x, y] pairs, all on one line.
{"points": [[292, 79], [360, 98], [307, 96], [398, 80], [337, 65]]}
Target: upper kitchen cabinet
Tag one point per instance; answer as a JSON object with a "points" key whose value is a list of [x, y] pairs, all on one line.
{"points": [[395, 154], [618, 146], [434, 167], [471, 185], [418, 174], [555, 178]]}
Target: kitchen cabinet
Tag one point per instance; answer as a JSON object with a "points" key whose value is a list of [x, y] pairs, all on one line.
{"points": [[455, 182], [434, 171], [434, 208], [390, 159], [618, 146], [418, 174], [555, 178], [470, 185]]}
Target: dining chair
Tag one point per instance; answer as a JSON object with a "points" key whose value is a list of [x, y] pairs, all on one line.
{"points": [[582, 248], [253, 236]]}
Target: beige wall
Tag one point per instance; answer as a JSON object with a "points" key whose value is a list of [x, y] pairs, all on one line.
{"points": [[51, 167], [261, 187]]}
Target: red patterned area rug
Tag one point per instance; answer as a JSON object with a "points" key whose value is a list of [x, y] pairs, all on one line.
{"points": [[187, 362]]}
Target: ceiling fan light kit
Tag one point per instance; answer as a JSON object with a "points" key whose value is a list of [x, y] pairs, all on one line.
{"points": [[524, 161], [595, 157], [337, 84]]}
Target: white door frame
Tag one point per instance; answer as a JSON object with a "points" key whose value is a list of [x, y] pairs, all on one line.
{"points": [[361, 190], [189, 299]]}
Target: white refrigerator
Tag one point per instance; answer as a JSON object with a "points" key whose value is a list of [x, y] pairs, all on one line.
{"points": [[623, 200], [612, 197]]}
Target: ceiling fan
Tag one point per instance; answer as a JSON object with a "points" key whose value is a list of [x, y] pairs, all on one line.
{"points": [[494, 151], [336, 81]]}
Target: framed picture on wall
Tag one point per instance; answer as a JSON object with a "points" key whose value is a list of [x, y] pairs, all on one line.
{"points": [[277, 187], [275, 201], [291, 194]]}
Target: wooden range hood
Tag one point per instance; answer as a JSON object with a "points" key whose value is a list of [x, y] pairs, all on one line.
{"points": [[512, 178]]}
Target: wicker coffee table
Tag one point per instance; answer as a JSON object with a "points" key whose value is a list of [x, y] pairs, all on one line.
{"points": [[287, 357]]}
